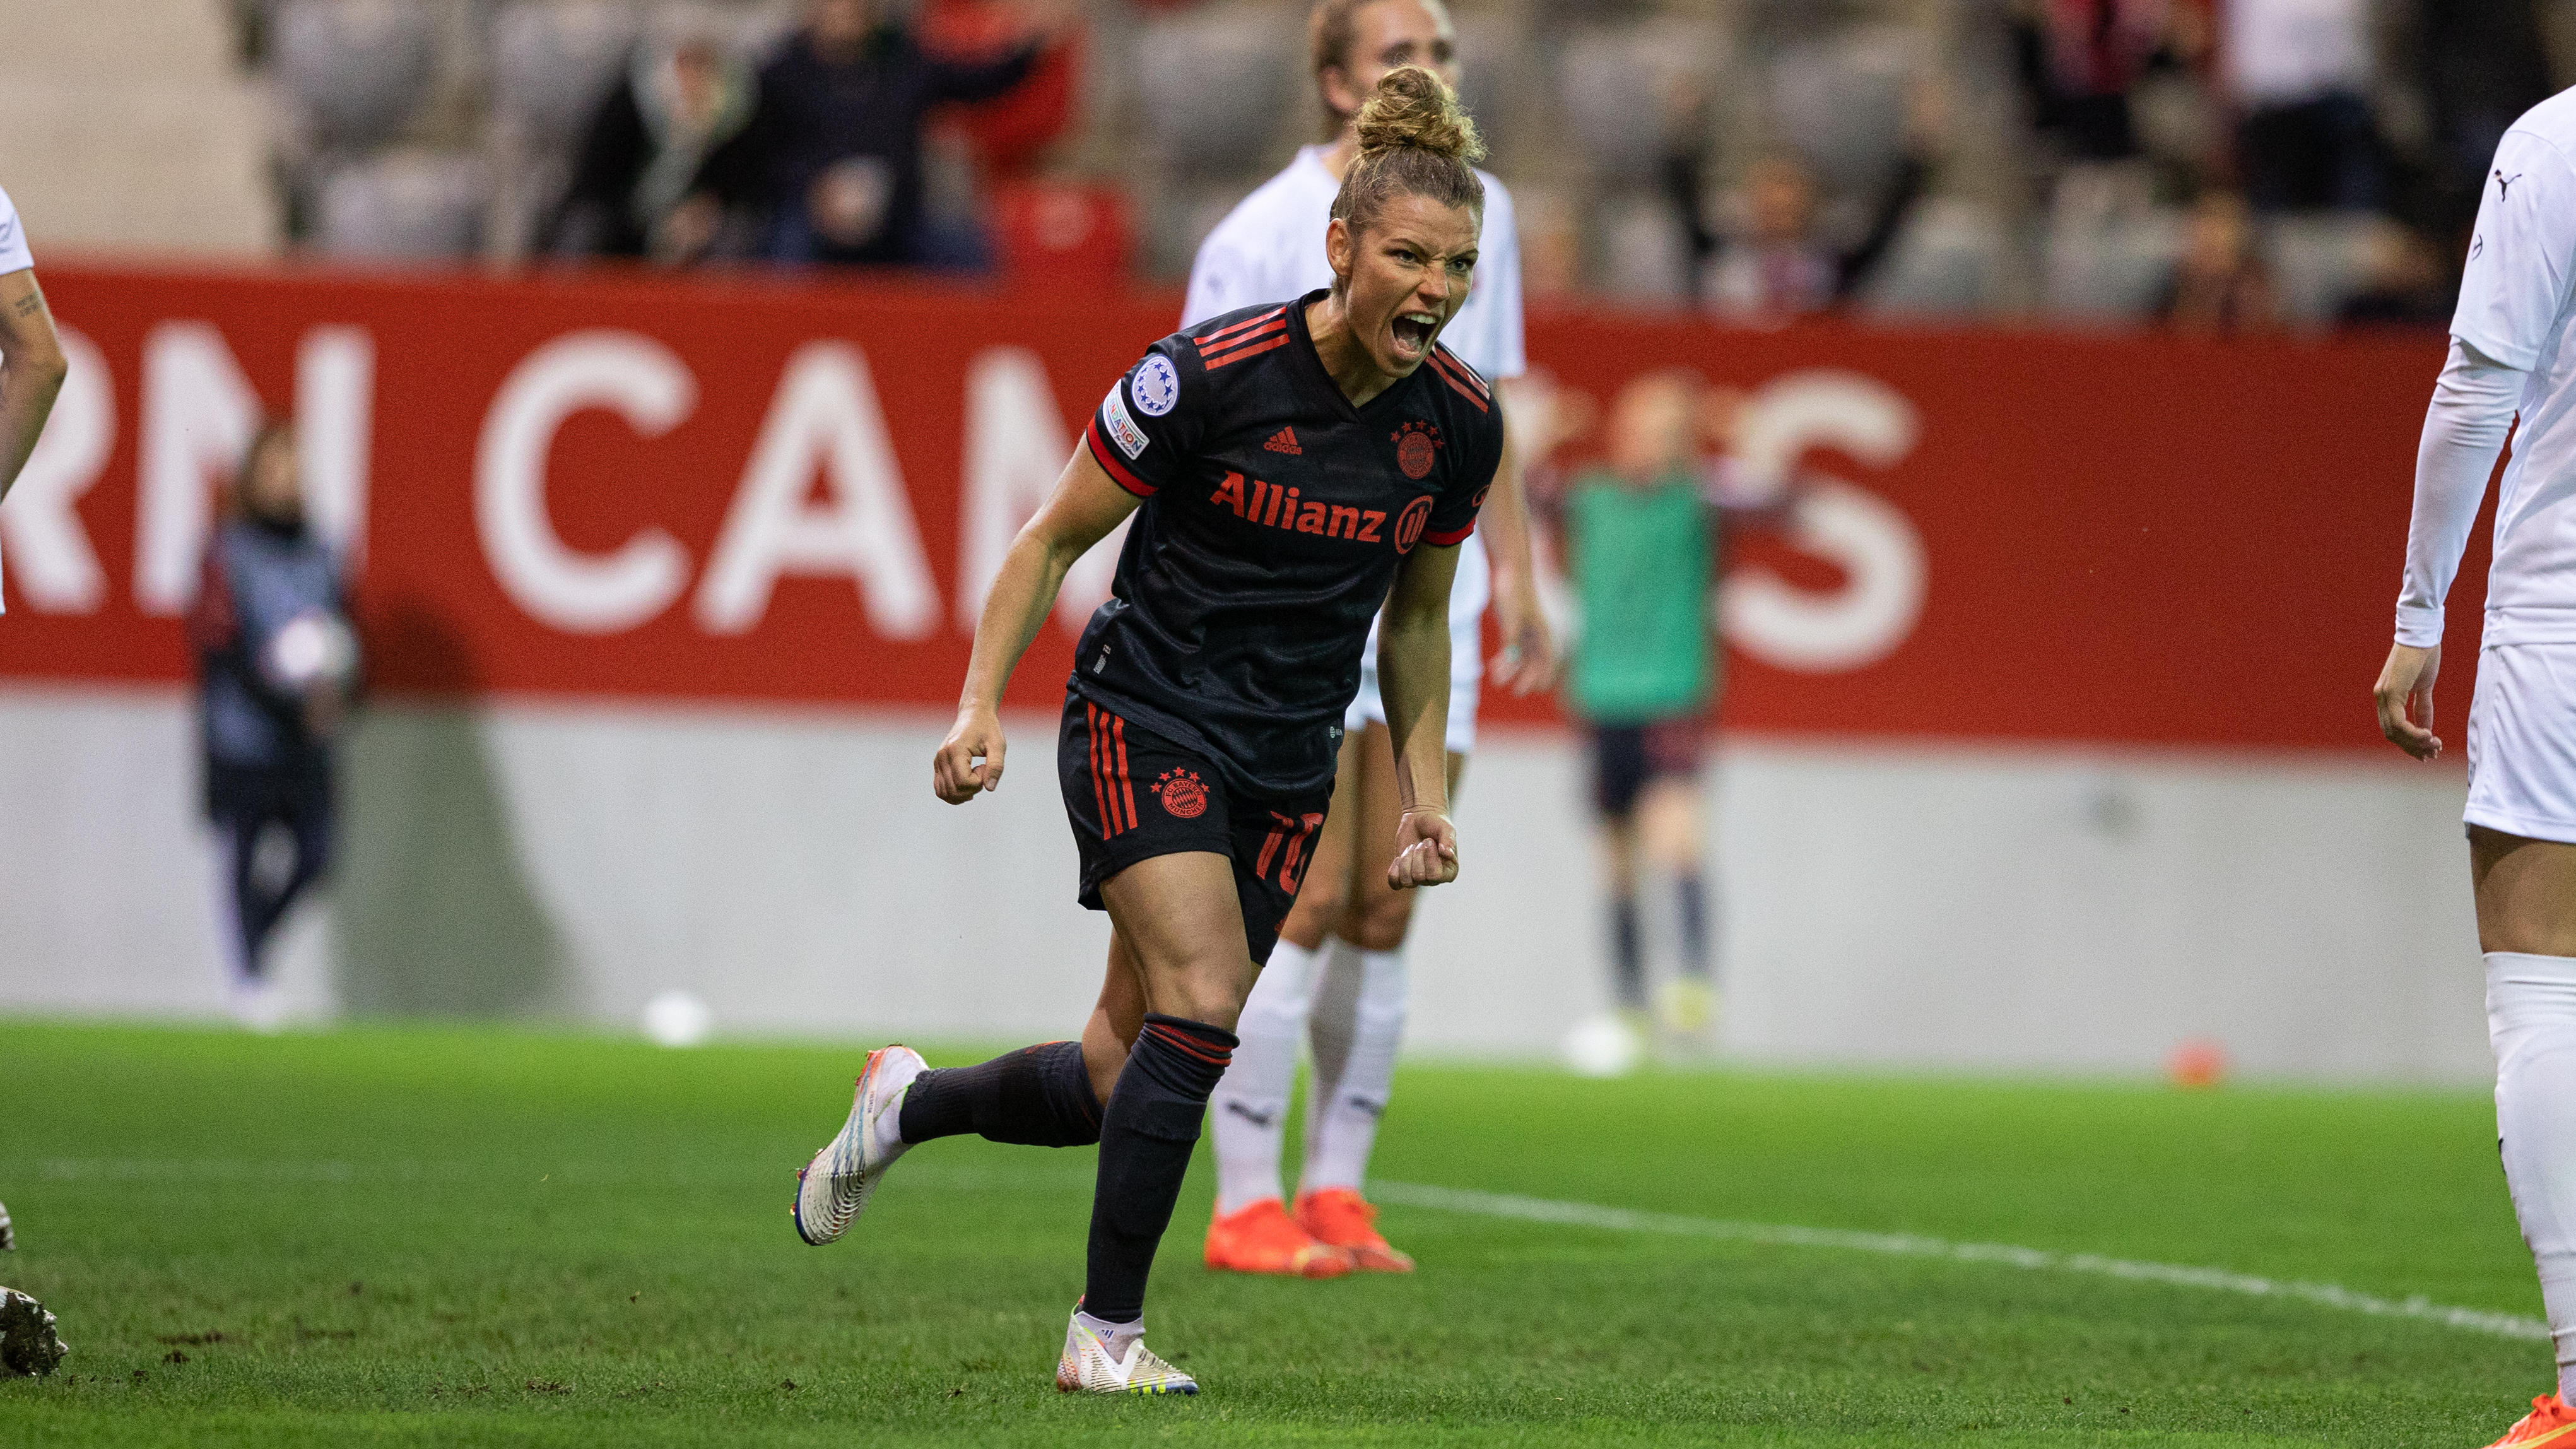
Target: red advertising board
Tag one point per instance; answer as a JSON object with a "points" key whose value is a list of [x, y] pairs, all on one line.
{"points": [[625, 486]]}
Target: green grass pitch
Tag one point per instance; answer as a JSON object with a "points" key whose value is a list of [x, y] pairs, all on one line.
{"points": [[455, 1237]]}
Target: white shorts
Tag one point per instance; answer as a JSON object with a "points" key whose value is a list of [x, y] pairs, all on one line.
{"points": [[1465, 642], [2522, 741]]}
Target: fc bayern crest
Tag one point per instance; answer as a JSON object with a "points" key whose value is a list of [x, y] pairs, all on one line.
{"points": [[1183, 794], [1417, 446], [1156, 386]]}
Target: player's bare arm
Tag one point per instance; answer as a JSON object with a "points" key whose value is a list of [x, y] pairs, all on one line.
{"points": [[1413, 678], [32, 368], [1085, 506], [1529, 662]]}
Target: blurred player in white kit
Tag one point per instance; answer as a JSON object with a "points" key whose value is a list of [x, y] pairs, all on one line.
{"points": [[31, 375], [1270, 248], [2508, 355]]}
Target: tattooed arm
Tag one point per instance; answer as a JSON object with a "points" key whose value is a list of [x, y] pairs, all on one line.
{"points": [[31, 370]]}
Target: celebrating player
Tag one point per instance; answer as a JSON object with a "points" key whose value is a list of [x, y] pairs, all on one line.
{"points": [[2507, 355], [1292, 466], [1268, 247]]}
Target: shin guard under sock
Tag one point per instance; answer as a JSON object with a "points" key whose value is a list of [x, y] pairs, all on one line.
{"points": [[1249, 1113], [1627, 955], [1690, 894], [1146, 1134], [1038, 1096], [1341, 1126], [2531, 1022]]}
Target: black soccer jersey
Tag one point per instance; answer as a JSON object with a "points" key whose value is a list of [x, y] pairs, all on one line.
{"points": [[1274, 516]]}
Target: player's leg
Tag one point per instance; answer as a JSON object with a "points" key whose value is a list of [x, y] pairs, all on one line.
{"points": [[2521, 806], [2526, 901], [1619, 778], [1186, 932], [1251, 1231], [1671, 829], [1358, 1028]]}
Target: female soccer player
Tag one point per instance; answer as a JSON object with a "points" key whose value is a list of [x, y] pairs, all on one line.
{"points": [[1269, 246], [2508, 353], [1293, 466]]}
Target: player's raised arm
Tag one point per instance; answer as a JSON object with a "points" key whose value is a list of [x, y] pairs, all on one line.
{"points": [[1413, 679], [1085, 506]]}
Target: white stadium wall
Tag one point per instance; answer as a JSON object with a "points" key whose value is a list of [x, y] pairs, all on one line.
{"points": [[1882, 905]]}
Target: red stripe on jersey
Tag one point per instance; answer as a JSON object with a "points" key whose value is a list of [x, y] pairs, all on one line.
{"points": [[1451, 364], [1204, 342], [1450, 540], [1245, 338], [1099, 791], [1459, 387], [1126, 786], [1213, 363], [1101, 451]]}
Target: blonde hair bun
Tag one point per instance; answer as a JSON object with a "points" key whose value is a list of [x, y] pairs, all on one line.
{"points": [[1414, 109]]}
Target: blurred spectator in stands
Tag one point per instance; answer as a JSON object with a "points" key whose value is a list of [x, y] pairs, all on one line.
{"points": [[2080, 60], [2405, 281], [2299, 72], [2482, 63], [832, 156], [276, 666], [2220, 284], [630, 192], [1780, 266]]}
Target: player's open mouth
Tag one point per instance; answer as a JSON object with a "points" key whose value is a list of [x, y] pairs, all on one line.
{"points": [[1413, 334]]}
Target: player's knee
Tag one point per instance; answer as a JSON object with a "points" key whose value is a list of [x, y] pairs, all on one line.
{"points": [[1320, 903], [1381, 921]]}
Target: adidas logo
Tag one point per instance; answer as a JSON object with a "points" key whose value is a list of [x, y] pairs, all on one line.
{"points": [[1284, 441]]}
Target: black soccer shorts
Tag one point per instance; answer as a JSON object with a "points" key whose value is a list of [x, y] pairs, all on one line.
{"points": [[1133, 795]]}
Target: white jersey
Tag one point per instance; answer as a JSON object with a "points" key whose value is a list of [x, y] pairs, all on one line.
{"points": [[1270, 248], [14, 256], [2514, 309]]}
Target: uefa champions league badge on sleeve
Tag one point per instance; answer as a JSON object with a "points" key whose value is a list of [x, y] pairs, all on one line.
{"points": [[1157, 386]]}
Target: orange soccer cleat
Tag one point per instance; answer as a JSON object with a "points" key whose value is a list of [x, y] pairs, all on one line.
{"points": [[1339, 1216], [1262, 1239], [2550, 1421]]}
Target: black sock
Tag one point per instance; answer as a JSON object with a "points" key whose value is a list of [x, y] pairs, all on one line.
{"points": [[1693, 899], [1038, 1096], [1627, 959], [1146, 1135]]}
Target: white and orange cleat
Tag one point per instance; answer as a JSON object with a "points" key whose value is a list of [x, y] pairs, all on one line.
{"points": [[833, 1189], [1339, 1217], [2550, 1421], [1088, 1367], [1262, 1238]]}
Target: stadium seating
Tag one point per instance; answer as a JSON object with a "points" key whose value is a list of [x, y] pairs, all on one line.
{"points": [[404, 206], [357, 71], [1612, 83], [1841, 103], [553, 59], [1212, 89]]}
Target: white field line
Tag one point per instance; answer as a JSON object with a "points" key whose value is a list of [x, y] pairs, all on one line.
{"points": [[1913, 1245]]}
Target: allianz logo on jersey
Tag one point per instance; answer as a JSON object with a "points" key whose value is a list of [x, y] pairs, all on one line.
{"points": [[1272, 506]]}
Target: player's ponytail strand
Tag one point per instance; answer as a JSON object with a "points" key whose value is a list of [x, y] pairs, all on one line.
{"points": [[1414, 141]]}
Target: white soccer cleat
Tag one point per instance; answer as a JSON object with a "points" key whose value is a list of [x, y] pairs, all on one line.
{"points": [[833, 1189], [1088, 1368]]}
